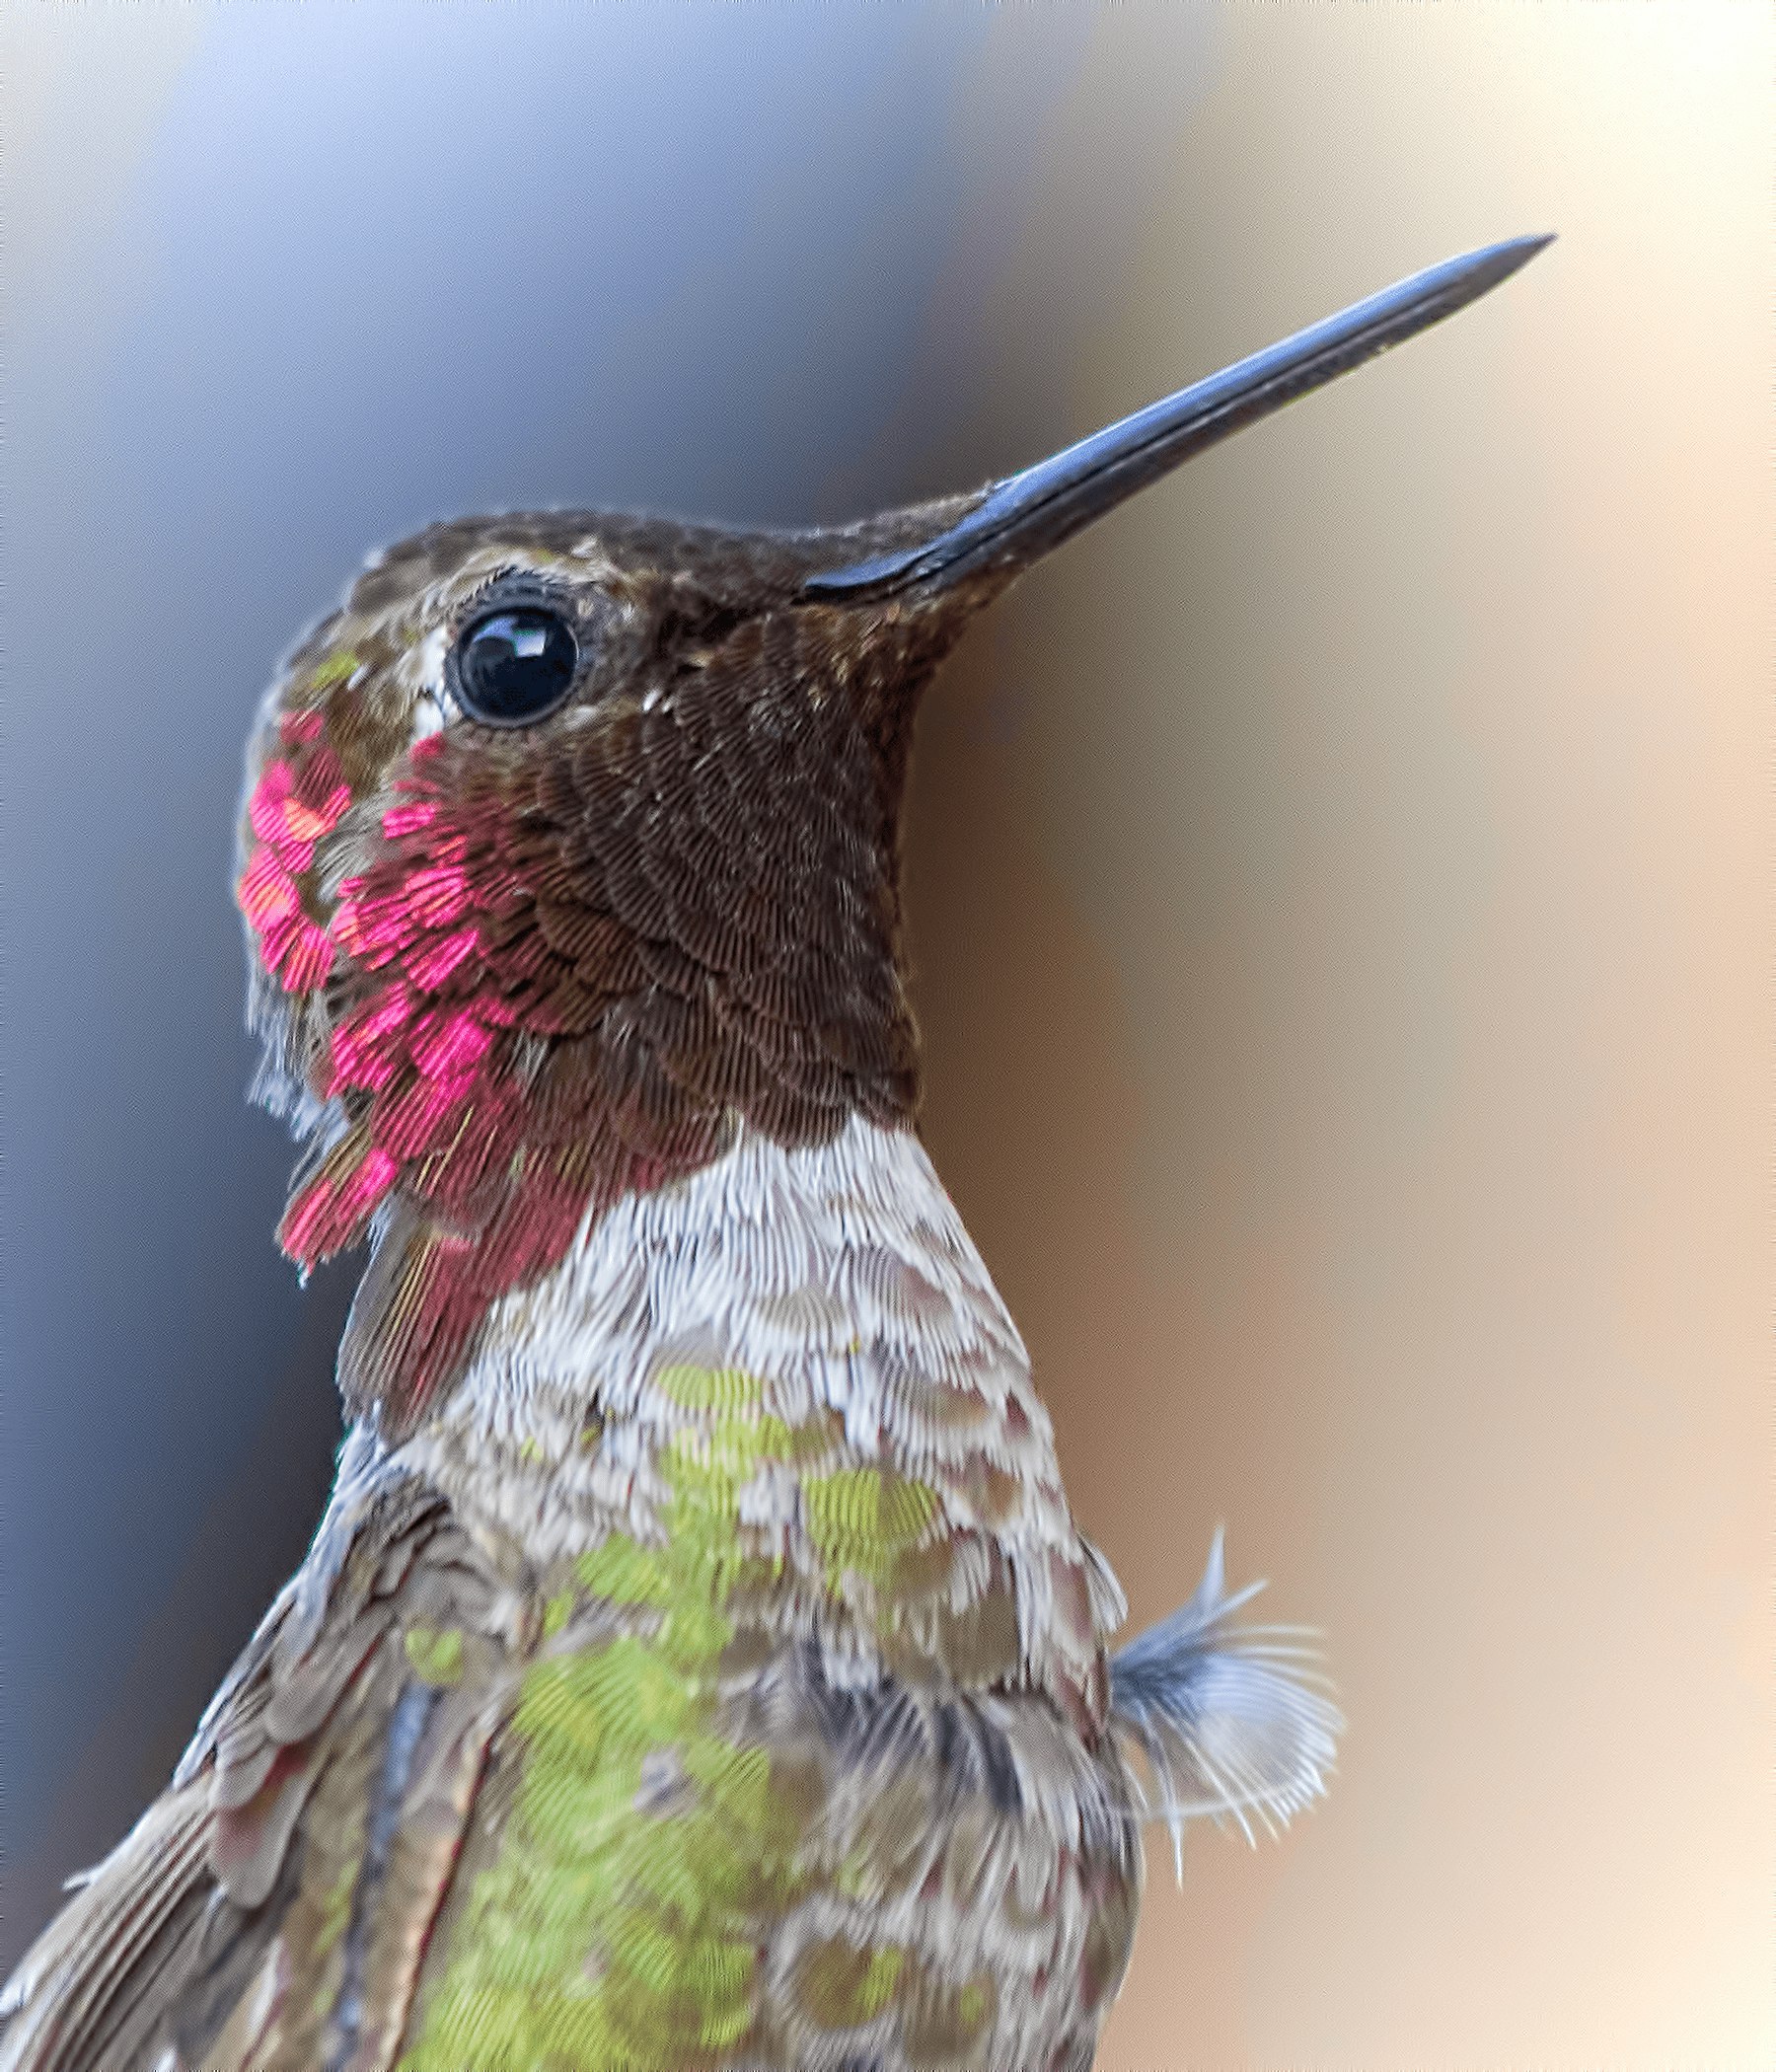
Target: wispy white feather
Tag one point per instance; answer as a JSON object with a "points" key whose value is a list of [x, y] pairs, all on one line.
{"points": [[1230, 1720]]}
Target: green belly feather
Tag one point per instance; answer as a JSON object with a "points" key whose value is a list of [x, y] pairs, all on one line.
{"points": [[621, 1919]]}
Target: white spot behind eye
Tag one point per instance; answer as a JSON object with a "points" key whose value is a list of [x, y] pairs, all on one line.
{"points": [[427, 662], [420, 673]]}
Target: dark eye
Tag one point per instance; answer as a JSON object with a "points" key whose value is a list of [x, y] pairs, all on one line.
{"points": [[514, 665]]}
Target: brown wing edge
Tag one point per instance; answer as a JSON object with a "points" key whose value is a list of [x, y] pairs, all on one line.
{"points": [[272, 1908]]}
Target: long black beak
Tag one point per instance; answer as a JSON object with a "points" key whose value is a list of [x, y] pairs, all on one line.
{"points": [[1027, 514]]}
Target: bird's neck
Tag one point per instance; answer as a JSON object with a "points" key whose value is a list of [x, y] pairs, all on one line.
{"points": [[807, 1343]]}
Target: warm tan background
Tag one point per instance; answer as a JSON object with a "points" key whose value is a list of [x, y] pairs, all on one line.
{"points": [[1342, 894], [1340, 884]]}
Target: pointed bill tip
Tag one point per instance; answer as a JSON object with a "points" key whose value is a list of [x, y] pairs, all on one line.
{"points": [[1475, 272], [1024, 516], [1518, 251], [1410, 305]]}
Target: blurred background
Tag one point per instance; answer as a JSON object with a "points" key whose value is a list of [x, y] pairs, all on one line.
{"points": [[1339, 883]]}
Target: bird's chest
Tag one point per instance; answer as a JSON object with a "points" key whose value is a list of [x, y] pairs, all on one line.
{"points": [[804, 1766], [695, 1848]]}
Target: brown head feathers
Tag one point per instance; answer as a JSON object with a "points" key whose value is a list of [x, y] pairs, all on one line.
{"points": [[510, 965]]}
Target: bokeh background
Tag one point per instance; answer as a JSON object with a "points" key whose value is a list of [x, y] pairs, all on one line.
{"points": [[1340, 883]]}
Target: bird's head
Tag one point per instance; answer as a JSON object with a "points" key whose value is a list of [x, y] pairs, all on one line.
{"points": [[570, 850]]}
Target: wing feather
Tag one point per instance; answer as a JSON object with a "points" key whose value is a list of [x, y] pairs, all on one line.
{"points": [[271, 1909]]}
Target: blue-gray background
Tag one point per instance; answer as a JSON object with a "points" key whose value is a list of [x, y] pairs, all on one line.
{"points": [[1338, 883]]}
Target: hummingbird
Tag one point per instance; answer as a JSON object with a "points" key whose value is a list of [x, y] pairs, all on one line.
{"points": [[698, 1664]]}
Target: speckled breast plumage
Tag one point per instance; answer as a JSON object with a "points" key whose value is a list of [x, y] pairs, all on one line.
{"points": [[807, 1736], [742, 1658]]}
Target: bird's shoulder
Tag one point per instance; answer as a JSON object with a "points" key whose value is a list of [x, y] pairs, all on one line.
{"points": [[287, 1878]]}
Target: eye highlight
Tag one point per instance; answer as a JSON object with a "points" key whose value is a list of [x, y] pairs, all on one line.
{"points": [[513, 664]]}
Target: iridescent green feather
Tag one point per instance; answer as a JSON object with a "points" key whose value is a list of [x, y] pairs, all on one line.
{"points": [[622, 1921]]}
